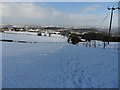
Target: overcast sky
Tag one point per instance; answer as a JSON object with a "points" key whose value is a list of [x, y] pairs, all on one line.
{"points": [[58, 13]]}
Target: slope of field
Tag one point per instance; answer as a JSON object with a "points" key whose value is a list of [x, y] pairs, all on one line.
{"points": [[58, 65], [0, 62], [32, 37]]}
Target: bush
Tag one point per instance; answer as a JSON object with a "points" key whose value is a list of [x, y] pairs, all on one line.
{"points": [[39, 34], [75, 39]]}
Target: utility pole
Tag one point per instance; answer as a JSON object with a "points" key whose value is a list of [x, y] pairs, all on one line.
{"points": [[112, 9]]}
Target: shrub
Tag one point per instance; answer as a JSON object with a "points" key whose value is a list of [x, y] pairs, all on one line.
{"points": [[39, 34], [75, 39]]}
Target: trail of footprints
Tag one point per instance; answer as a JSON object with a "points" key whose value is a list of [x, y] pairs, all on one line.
{"points": [[77, 74]]}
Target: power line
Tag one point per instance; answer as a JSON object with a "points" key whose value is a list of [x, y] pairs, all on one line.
{"points": [[103, 20], [112, 9]]}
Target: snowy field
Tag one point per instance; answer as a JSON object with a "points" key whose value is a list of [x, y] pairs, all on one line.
{"points": [[0, 62], [53, 63], [32, 37]]}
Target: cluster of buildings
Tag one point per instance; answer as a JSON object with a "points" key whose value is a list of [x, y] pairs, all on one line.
{"points": [[30, 28], [48, 29]]}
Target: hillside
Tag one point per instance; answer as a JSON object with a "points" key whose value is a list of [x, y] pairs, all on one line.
{"points": [[57, 64]]}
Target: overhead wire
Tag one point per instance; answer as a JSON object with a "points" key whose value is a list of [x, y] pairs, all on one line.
{"points": [[106, 16], [103, 20]]}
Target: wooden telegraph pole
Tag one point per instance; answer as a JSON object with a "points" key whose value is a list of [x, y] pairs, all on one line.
{"points": [[112, 9]]}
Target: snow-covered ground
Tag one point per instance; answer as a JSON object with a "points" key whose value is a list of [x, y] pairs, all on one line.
{"points": [[32, 37], [0, 62], [53, 63]]}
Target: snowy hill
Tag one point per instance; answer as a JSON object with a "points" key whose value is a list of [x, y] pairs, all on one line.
{"points": [[57, 64]]}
